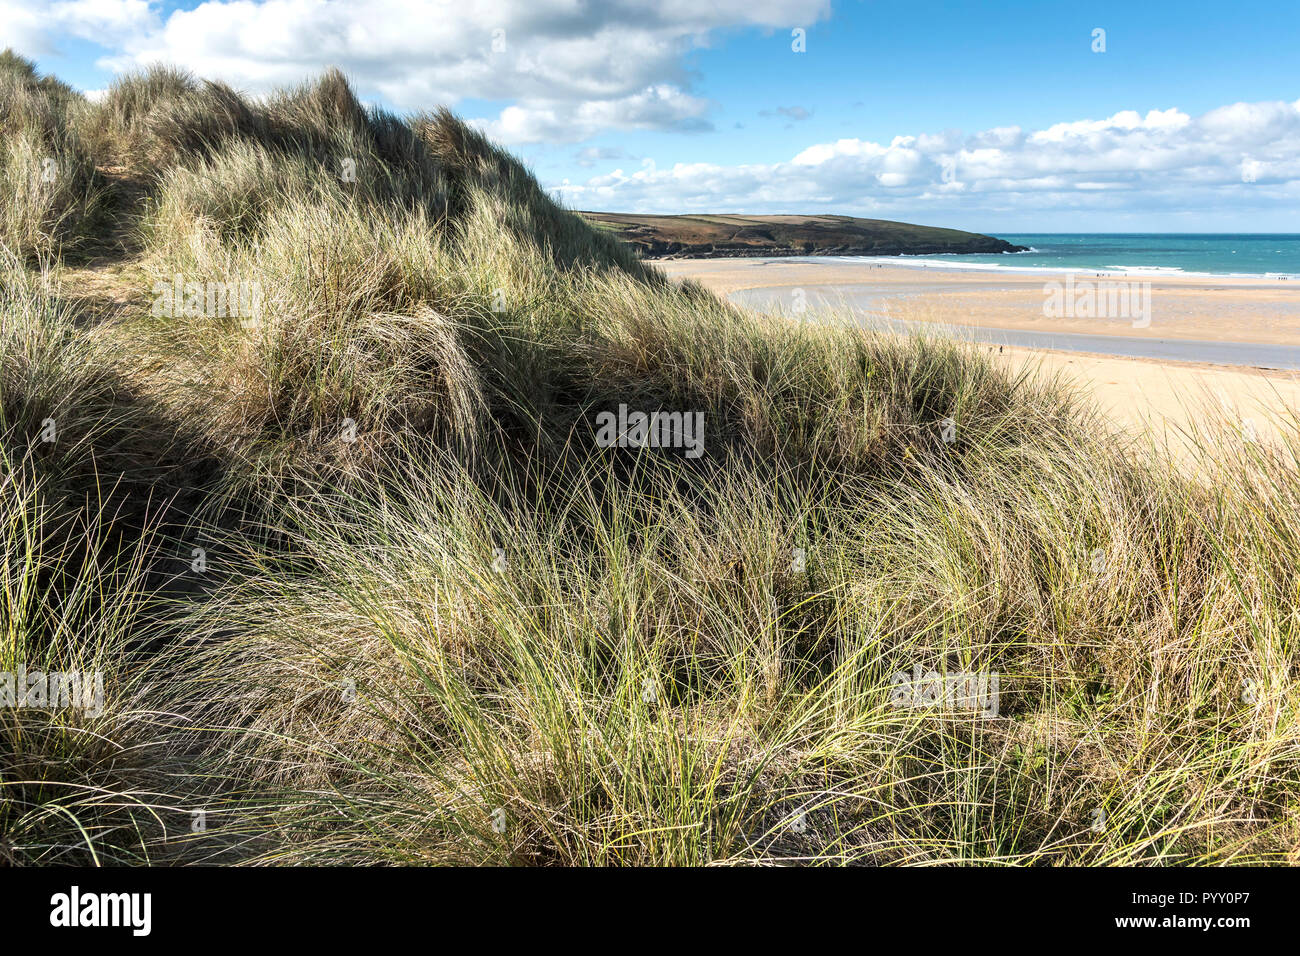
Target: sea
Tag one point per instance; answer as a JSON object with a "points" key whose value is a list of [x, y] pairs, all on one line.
{"points": [[1271, 256]]}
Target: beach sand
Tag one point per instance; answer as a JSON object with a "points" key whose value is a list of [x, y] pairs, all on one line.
{"points": [[1227, 308], [1168, 400]]}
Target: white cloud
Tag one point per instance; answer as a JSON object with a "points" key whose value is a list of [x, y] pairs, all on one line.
{"points": [[1164, 160], [567, 68], [24, 27], [33, 26], [104, 21], [656, 107]]}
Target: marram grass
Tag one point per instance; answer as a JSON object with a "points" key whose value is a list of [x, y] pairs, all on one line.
{"points": [[363, 587]]}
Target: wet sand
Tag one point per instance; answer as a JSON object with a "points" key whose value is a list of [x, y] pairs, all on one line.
{"points": [[1212, 309], [895, 312], [1256, 319]]}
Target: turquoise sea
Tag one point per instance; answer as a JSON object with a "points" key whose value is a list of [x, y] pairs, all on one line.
{"points": [[1158, 253]]}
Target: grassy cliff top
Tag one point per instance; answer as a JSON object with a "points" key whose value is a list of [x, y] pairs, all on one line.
{"points": [[737, 235]]}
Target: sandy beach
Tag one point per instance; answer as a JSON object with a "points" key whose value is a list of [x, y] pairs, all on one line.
{"points": [[1221, 308], [1169, 399]]}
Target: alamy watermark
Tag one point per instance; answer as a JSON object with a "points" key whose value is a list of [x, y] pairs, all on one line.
{"points": [[1105, 299], [651, 430], [963, 690], [75, 908], [53, 690], [214, 300]]}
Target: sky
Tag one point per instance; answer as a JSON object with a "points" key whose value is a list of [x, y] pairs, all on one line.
{"points": [[1007, 117]]}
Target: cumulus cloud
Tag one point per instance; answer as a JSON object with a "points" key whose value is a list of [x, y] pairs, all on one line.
{"points": [[104, 21], [566, 69], [1163, 160], [33, 26], [661, 107]]}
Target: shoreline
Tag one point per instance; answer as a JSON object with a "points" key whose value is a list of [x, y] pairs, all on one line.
{"points": [[926, 265], [934, 262], [1162, 398], [1245, 310]]}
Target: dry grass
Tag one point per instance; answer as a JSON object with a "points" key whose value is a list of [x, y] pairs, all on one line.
{"points": [[51, 197]]}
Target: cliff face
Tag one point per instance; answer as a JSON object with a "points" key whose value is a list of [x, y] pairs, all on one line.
{"points": [[721, 236]]}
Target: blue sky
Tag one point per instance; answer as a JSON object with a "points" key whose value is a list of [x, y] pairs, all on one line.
{"points": [[999, 117], [878, 69]]}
